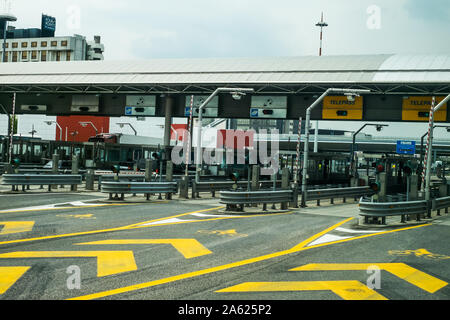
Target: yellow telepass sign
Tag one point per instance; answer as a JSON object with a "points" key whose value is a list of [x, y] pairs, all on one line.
{"points": [[418, 109], [340, 107]]}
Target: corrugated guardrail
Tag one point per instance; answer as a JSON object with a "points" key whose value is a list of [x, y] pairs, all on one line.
{"points": [[343, 193], [385, 209], [440, 203], [234, 199], [146, 188], [240, 198], [40, 179], [215, 186]]}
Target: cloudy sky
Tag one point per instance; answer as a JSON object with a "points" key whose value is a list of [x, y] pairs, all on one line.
{"points": [[145, 29]]}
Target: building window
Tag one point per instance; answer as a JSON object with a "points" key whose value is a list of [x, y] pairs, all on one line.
{"points": [[24, 44], [6, 56], [34, 44], [14, 57], [54, 43], [58, 55], [68, 56], [44, 56], [64, 43], [44, 44], [34, 55], [24, 55], [6, 45], [15, 45]]}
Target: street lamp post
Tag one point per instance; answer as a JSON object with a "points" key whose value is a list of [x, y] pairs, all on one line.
{"points": [[352, 155], [237, 93], [122, 124], [85, 124], [348, 92], [423, 138], [57, 124], [433, 110]]}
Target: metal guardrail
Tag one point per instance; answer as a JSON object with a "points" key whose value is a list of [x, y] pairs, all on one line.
{"points": [[40, 179], [215, 186], [439, 204], [146, 188], [122, 178], [385, 209], [322, 194], [235, 200]]}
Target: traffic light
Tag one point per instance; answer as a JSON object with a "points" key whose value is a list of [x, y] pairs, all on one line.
{"points": [[115, 169], [156, 155], [380, 168], [16, 163], [234, 176], [409, 168], [375, 186]]}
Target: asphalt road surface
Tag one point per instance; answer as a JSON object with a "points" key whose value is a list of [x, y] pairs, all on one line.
{"points": [[82, 246]]}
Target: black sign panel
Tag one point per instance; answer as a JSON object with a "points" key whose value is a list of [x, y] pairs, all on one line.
{"points": [[48, 26]]}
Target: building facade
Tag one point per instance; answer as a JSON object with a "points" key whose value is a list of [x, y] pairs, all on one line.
{"points": [[41, 45]]}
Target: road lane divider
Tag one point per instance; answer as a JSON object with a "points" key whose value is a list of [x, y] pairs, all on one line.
{"points": [[10, 227], [189, 248], [347, 290], [403, 271], [108, 262], [9, 276]]}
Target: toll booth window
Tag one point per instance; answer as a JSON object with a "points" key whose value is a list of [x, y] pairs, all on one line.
{"points": [[37, 150]]}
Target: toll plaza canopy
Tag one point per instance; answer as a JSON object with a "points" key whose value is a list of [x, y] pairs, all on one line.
{"points": [[300, 79]]}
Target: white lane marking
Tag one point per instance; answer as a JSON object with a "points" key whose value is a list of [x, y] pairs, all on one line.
{"points": [[202, 215], [327, 238], [54, 206], [172, 220], [357, 231]]}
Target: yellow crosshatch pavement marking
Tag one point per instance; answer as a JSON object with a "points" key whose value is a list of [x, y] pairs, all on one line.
{"points": [[108, 262], [298, 248], [348, 289], [10, 227], [9, 275], [189, 248], [82, 233], [401, 270]]}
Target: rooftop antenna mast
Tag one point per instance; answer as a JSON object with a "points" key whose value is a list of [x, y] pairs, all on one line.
{"points": [[322, 24]]}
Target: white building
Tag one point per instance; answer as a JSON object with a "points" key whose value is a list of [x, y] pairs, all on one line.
{"points": [[70, 48]]}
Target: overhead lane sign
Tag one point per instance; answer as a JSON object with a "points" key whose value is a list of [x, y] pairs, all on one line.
{"points": [[140, 105], [418, 109], [272, 107], [341, 108], [210, 111]]}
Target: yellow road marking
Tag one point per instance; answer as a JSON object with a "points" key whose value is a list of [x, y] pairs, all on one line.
{"points": [[420, 253], [9, 276], [298, 248], [189, 248], [348, 290], [132, 226], [10, 227], [108, 262], [231, 233], [401, 270], [77, 216]]}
